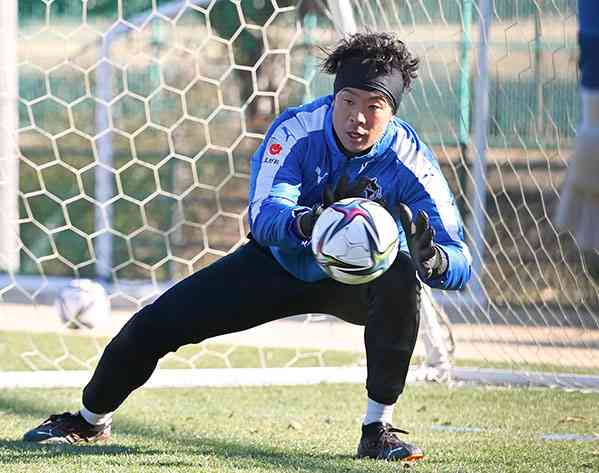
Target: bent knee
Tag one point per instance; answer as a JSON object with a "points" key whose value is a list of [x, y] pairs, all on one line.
{"points": [[402, 273]]}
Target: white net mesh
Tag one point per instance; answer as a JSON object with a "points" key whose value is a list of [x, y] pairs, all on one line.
{"points": [[136, 123], [532, 300], [137, 120]]}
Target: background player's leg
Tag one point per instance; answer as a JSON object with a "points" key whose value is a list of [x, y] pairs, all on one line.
{"points": [[437, 343], [578, 209], [241, 290], [436, 353]]}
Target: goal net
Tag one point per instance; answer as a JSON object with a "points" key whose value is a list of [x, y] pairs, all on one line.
{"points": [[125, 138]]}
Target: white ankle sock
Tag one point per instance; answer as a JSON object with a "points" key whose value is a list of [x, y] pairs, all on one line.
{"points": [[95, 419], [377, 412]]}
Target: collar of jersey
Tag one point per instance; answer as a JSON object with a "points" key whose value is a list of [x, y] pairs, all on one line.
{"points": [[378, 149]]}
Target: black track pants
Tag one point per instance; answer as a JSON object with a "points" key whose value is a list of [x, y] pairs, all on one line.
{"points": [[248, 288]]}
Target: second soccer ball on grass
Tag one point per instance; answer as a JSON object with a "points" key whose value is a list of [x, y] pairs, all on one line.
{"points": [[83, 304], [355, 240]]}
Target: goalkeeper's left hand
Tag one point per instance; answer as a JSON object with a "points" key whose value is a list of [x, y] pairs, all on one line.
{"points": [[429, 259], [578, 210]]}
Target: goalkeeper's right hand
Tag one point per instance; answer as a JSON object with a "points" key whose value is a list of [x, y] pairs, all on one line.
{"points": [[306, 220], [578, 209]]}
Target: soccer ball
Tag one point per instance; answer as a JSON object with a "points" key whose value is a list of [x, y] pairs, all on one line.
{"points": [[355, 240], [82, 304]]}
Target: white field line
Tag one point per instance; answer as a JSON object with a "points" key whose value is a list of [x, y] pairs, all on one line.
{"points": [[562, 437], [229, 377]]}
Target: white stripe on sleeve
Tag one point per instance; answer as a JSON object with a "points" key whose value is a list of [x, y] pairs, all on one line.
{"points": [[279, 145]]}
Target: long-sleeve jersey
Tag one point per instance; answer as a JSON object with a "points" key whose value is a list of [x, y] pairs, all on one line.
{"points": [[588, 40], [300, 156]]}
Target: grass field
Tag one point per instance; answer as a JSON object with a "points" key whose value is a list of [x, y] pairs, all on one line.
{"points": [[310, 429]]}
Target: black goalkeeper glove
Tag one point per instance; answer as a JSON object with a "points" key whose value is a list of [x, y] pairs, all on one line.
{"points": [[344, 190], [429, 259], [306, 220]]}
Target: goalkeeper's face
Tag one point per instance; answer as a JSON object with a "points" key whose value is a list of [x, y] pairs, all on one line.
{"points": [[360, 118]]}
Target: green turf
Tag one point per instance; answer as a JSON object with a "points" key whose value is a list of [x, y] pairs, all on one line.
{"points": [[309, 429]]}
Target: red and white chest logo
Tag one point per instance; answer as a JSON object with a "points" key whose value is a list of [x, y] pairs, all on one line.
{"points": [[275, 149]]}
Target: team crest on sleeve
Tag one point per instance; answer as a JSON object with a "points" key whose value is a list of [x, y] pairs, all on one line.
{"points": [[273, 153], [274, 149]]}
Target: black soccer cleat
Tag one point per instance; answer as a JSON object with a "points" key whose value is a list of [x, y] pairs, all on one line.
{"points": [[67, 428], [380, 441]]}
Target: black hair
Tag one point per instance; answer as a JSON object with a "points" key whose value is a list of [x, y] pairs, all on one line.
{"points": [[383, 51]]}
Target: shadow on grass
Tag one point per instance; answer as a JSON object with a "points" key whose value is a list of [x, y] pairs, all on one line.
{"points": [[16, 451], [244, 455]]}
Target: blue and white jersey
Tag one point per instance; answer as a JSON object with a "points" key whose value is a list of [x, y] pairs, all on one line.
{"points": [[300, 156]]}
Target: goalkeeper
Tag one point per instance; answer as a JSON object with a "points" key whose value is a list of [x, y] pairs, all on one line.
{"points": [[578, 209], [348, 144]]}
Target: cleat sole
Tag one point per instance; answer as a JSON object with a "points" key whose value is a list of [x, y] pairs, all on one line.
{"points": [[412, 458]]}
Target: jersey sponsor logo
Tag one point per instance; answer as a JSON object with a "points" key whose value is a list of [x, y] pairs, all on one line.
{"points": [[275, 149], [270, 159]]}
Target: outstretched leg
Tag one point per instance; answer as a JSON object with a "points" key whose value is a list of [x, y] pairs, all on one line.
{"points": [[241, 290]]}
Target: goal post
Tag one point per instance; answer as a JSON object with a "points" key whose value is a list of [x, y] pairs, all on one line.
{"points": [[9, 228], [132, 127], [477, 196], [104, 185]]}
